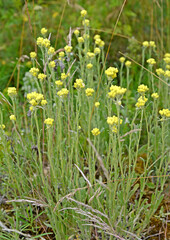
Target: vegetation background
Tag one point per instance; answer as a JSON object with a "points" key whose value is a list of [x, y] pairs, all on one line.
{"points": [[21, 22]]}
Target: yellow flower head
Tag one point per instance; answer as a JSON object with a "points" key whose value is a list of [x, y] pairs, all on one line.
{"points": [[49, 121], [59, 83], [97, 50], [85, 22], [33, 102], [83, 13], [64, 76], [114, 120], [12, 92], [151, 61], [101, 44], [142, 88], [51, 50], [34, 71], [61, 54], [152, 44], [168, 67], [155, 95], [90, 55], [46, 42], [80, 39], [167, 60], [116, 92], [167, 55], [41, 76], [160, 71], [68, 49], [89, 92], [89, 66], [167, 73], [31, 108], [165, 113], [43, 31], [63, 92], [43, 102], [97, 104], [33, 55], [111, 73], [2, 126], [98, 41], [12, 118], [96, 37], [114, 129], [52, 64], [145, 44], [79, 84], [122, 59], [141, 101], [40, 41], [76, 32], [95, 131], [128, 63]]}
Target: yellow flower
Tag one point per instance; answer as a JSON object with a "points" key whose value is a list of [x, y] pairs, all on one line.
{"points": [[46, 42], [2, 126], [85, 22], [114, 129], [83, 13], [31, 108], [167, 60], [145, 44], [96, 37], [43, 102], [141, 101], [33, 54], [97, 41], [51, 50], [61, 54], [142, 88], [97, 104], [12, 92], [90, 55], [155, 95], [76, 32], [128, 63], [152, 44], [97, 50], [79, 84], [79, 127], [33, 102], [89, 92], [52, 64], [64, 76], [167, 73], [116, 92], [12, 118], [122, 59], [167, 55], [95, 131], [111, 73], [49, 121], [151, 61], [34, 98], [165, 113], [63, 92], [59, 83], [101, 44], [40, 41], [80, 39], [160, 71], [114, 120], [41, 76], [34, 71], [43, 31], [68, 49], [168, 67], [89, 66]]}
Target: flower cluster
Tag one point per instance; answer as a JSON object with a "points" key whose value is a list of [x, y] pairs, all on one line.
{"points": [[111, 73], [114, 122], [79, 84], [95, 131], [43, 31], [116, 92], [149, 44], [89, 66], [167, 73], [49, 121], [63, 92], [2, 126], [155, 95], [36, 99], [51, 50], [128, 63], [89, 92], [33, 54], [68, 49], [52, 64], [141, 102], [151, 61], [34, 71], [165, 113], [41, 76], [43, 42], [122, 59], [59, 83], [160, 71], [83, 13], [12, 117], [64, 76], [142, 89], [97, 104], [12, 92]]}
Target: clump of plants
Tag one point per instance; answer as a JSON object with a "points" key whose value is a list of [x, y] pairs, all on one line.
{"points": [[71, 151]]}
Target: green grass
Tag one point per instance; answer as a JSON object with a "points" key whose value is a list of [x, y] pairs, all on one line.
{"points": [[59, 180]]}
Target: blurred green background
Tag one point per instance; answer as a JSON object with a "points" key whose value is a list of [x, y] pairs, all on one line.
{"points": [[21, 22]]}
